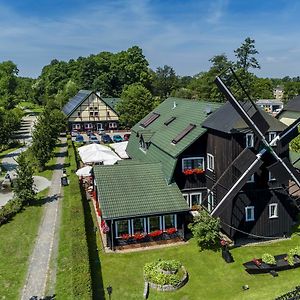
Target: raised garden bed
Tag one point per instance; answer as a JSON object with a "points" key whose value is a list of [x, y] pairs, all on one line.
{"points": [[165, 275]]}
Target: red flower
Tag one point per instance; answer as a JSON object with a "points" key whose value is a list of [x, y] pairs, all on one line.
{"points": [[125, 236], [257, 261], [193, 171], [155, 233], [223, 243], [171, 230], [139, 236]]}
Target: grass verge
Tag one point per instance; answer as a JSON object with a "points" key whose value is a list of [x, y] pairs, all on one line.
{"points": [[73, 270]]}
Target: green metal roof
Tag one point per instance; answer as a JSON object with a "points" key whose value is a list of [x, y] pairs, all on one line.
{"points": [[111, 102], [161, 148], [130, 190]]}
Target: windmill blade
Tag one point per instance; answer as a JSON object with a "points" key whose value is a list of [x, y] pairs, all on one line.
{"points": [[246, 109], [288, 134], [245, 165], [284, 171]]}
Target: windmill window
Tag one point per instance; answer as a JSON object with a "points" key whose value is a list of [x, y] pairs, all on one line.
{"points": [[182, 134], [192, 163], [271, 178], [249, 213], [210, 201], [150, 119], [271, 136], [251, 179], [169, 121], [249, 140], [195, 200], [210, 162], [273, 211]]}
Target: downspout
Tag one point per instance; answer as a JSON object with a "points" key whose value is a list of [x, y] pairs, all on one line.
{"points": [[112, 235]]}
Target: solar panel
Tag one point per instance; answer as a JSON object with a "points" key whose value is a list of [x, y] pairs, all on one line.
{"points": [[75, 102], [182, 134], [150, 119], [169, 121]]}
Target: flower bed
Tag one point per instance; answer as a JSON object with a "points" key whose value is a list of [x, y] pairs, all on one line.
{"points": [[165, 275]]}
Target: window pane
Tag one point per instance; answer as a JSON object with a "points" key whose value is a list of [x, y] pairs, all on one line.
{"points": [[154, 223], [169, 221], [138, 225], [195, 199], [193, 163], [122, 227]]}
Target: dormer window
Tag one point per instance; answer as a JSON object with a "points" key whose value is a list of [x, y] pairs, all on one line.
{"points": [[249, 140], [190, 163]]}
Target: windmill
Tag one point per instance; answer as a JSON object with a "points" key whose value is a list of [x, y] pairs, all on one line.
{"points": [[249, 161]]}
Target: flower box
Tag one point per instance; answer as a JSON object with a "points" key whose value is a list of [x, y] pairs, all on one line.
{"points": [[171, 230], [196, 171]]}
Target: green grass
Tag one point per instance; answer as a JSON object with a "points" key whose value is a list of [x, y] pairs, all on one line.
{"points": [[17, 241], [32, 106], [210, 276], [73, 269]]}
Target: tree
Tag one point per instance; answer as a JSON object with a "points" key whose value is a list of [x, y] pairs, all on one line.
{"points": [[164, 82], [206, 230], [24, 183], [136, 102], [245, 55]]}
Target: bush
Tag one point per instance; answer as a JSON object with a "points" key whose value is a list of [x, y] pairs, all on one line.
{"points": [[11, 208], [169, 265], [206, 230], [268, 259]]}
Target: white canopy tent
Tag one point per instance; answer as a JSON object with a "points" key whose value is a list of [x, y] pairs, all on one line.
{"points": [[85, 171], [95, 153], [120, 149]]}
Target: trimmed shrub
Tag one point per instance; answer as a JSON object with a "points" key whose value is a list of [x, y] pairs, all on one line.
{"points": [[268, 259], [10, 209]]}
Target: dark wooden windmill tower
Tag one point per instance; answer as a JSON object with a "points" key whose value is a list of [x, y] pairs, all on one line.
{"points": [[265, 208]]}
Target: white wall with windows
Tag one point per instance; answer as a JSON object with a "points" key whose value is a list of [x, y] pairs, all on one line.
{"points": [[193, 163], [145, 225]]}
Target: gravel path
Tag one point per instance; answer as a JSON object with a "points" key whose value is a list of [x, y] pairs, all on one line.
{"points": [[38, 277]]}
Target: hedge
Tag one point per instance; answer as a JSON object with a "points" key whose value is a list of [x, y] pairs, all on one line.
{"points": [[73, 270], [10, 209]]}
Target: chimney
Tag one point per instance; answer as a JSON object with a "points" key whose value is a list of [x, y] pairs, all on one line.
{"points": [[98, 94], [174, 105]]}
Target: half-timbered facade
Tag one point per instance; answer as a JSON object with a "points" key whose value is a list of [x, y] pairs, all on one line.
{"points": [[89, 111]]}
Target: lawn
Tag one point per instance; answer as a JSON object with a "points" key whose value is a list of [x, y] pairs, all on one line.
{"points": [[32, 106], [210, 276], [17, 240]]}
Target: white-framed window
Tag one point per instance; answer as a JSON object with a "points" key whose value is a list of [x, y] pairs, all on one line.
{"points": [[154, 223], [138, 225], [112, 125], [76, 126], [88, 125], [122, 227], [249, 213], [193, 163], [169, 221], [251, 179], [210, 162], [271, 177], [249, 140], [271, 136], [273, 210], [210, 200], [195, 200]]}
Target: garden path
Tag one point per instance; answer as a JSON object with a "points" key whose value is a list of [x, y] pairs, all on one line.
{"points": [[40, 276]]}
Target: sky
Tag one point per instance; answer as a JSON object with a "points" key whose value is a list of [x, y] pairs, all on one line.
{"points": [[183, 34]]}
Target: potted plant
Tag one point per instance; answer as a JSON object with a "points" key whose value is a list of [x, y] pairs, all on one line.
{"points": [[268, 259]]}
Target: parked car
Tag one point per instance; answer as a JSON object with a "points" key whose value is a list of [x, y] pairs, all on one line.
{"points": [[106, 139], [126, 136], [93, 139], [101, 131], [79, 138], [117, 138]]}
